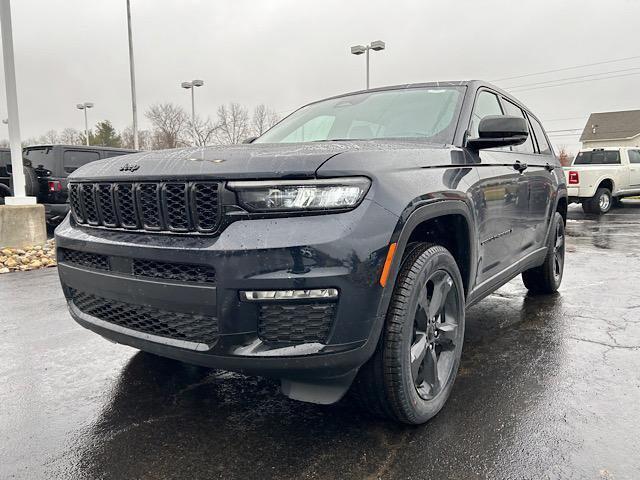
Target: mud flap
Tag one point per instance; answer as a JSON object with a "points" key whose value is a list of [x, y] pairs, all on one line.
{"points": [[323, 391]]}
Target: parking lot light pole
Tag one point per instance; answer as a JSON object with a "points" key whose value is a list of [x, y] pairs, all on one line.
{"points": [[132, 74], [19, 192], [192, 86], [85, 106], [360, 49]]}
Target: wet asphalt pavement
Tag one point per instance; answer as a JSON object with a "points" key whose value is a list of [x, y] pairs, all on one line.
{"points": [[549, 387]]}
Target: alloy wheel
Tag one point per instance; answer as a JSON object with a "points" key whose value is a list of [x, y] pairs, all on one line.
{"points": [[558, 251], [436, 335]]}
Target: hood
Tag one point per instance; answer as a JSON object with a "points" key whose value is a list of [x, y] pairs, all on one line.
{"points": [[252, 161]]}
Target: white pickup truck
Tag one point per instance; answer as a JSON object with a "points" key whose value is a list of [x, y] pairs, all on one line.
{"points": [[599, 178]]}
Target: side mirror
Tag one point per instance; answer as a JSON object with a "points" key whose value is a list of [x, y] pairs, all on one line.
{"points": [[249, 140], [499, 131]]}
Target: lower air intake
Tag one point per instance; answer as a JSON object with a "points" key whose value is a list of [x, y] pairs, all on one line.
{"points": [[295, 323], [154, 321]]}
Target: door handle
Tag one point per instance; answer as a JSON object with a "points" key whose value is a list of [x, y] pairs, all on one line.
{"points": [[520, 166], [550, 167]]}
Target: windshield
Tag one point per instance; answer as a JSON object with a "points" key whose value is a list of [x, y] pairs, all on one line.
{"points": [[425, 113], [598, 157]]}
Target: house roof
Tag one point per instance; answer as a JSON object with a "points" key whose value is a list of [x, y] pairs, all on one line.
{"points": [[612, 126]]}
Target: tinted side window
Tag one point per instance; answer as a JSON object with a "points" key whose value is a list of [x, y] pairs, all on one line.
{"points": [[74, 159], [486, 104], [543, 144], [634, 156], [515, 111]]}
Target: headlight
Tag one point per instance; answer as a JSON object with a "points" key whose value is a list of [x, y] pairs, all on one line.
{"points": [[296, 195]]}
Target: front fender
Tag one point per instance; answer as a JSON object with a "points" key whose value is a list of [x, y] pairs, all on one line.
{"points": [[412, 217]]}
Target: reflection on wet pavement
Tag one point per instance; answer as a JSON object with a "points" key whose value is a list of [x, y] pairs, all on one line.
{"points": [[549, 387]]}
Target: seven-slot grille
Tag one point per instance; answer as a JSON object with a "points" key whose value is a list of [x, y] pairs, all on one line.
{"points": [[179, 207]]}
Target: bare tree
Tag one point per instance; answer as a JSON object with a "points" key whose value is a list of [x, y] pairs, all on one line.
{"points": [[169, 123], [203, 132], [233, 123], [263, 119], [145, 139], [564, 156], [50, 137], [70, 136]]}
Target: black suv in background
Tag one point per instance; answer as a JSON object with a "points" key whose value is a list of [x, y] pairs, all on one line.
{"points": [[46, 170], [338, 250]]}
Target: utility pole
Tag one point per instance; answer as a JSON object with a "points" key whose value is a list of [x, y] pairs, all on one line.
{"points": [[133, 80]]}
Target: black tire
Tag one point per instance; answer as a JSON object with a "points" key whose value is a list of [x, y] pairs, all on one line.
{"points": [[600, 203], [547, 277], [617, 203], [412, 372]]}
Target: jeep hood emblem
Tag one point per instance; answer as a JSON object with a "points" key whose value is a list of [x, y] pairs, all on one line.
{"points": [[129, 167]]}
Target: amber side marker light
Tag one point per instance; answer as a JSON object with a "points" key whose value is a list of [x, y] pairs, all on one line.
{"points": [[387, 264]]}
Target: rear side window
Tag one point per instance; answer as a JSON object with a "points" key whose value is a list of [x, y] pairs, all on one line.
{"points": [[486, 104], [515, 111], [74, 159], [543, 144], [634, 156], [598, 157]]}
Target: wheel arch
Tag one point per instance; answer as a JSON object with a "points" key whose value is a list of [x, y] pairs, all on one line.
{"points": [[430, 223], [606, 182]]}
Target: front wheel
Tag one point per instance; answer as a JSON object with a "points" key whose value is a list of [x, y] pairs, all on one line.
{"points": [[412, 372], [547, 277]]}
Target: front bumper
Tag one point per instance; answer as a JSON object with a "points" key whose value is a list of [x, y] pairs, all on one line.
{"points": [[344, 251]]}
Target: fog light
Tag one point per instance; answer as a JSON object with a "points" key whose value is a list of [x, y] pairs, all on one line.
{"points": [[318, 293]]}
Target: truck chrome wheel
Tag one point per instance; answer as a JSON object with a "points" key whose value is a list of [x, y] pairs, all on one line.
{"points": [[436, 335], [605, 202]]}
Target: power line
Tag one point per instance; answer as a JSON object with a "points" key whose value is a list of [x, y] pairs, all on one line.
{"points": [[574, 78], [577, 81], [566, 68], [564, 130], [567, 118]]}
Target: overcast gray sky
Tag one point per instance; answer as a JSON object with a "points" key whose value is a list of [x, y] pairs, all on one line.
{"points": [[285, 53]]}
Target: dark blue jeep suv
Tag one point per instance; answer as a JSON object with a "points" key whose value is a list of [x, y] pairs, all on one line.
{"points": [[337, 251]]}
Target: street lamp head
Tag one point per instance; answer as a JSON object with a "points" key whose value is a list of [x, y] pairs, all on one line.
{"points": [[358, 49], [197, 83], [378, 45], [186, 85], [88, 105], [80, 106]]}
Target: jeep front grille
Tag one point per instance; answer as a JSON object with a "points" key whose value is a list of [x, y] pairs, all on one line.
{"points": [[170, 207]]}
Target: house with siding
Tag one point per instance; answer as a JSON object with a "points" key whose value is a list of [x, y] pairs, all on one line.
{"points": [[612, 129]]}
